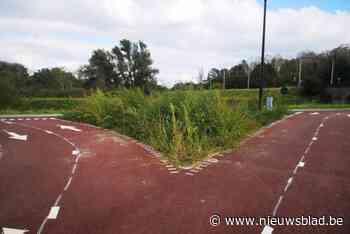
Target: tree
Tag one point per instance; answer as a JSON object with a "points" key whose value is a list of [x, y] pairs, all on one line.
{"points": [[134, 64], [100, 72], [17, 73], [52, 78], [8, 91]]}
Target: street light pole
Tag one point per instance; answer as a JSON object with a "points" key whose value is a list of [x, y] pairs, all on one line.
{"points": [[262, 59]]}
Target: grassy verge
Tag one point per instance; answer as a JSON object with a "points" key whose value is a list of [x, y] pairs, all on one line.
{"points": [[31, 112], [185, 126], [317, 105], [42, 106]]}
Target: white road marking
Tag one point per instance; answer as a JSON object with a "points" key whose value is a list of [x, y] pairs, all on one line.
{"points": [[70, 128], [171, 169], [189, 174], [212, 160], [13, 231], [48, 132], [74, 168], [58, 199], [300, 164], [174, 172], [53, 212], [16, 136], [267, 230], [194, 171], [280, 199], [295, 170], [75, 152], [68, 184], [315, 113]]}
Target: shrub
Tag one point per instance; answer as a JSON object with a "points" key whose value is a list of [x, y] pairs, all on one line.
{"points": [[185, 125], [8, 92]]}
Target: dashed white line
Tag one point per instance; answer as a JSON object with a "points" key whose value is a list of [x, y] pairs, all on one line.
{"points": [[267, 230], [74, 168], [58, 199], [280, 199], [68, 183], [53, 212], [300, 164]]}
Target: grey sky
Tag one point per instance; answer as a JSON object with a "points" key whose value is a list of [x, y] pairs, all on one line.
{"points": [[183, 35]]}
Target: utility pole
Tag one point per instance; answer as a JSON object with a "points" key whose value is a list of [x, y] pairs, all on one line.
{"points": [[248, 82], [262, 59], [300, 67], [333, 67], [224, 80]]}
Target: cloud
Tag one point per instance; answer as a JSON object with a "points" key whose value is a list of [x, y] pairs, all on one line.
{"points": [[183, 35]]}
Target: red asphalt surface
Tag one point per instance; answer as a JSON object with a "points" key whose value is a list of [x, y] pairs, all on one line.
{"points": [[118, 187]]}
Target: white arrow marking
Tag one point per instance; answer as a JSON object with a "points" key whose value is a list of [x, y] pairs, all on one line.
{"points": [[13, 231], [16, 136], [267, 230], [70, 128]]}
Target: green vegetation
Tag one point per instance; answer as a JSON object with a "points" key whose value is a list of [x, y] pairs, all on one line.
{"points": [[185, 125], [41, 106], [190, 121]]}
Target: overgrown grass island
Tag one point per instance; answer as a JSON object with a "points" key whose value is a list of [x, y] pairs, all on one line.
{"points": [[185, 126]]}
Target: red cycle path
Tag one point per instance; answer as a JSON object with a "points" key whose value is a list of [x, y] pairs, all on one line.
{"points": [[120, 188]]}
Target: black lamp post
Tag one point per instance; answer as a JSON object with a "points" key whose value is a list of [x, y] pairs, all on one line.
{"points": [[262, 60]]}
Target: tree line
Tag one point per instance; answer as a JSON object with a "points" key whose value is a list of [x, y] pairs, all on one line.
{"points": [[129, 65], [312, 72]]}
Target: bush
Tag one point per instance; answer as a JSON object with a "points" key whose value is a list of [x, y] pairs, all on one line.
{"points": [[284, 90], [185, 125], [8, 93], [49, 103]]}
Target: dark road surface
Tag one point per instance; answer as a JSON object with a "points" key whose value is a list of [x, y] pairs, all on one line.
{"points": [[73, 178]]}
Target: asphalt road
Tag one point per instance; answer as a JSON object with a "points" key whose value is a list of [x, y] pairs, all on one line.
{"points": [[74, 178]]}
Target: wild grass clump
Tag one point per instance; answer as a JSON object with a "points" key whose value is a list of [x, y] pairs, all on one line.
{"points": [[185, 126]]}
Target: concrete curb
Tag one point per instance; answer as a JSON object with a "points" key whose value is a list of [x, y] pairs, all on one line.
{"points": [[30, 115], [319, 110]]}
